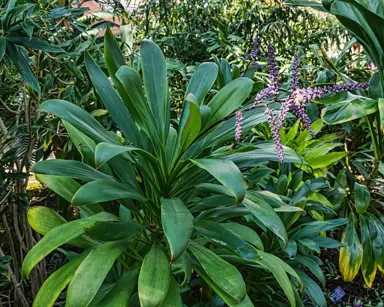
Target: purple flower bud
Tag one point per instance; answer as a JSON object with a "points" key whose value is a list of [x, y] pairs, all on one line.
{"points": [[239, 125], [295, 74], [275, 131], [273, 70]]}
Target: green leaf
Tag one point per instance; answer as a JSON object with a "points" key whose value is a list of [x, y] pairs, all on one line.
{"points": [[156, 85], [376, 229], [276, 267], [35, 43], [103, 190], [246, 233], [225, 74], [219, 234], [112, 101], [3, 45], [362, 198], [227, 173], [57, 281], [312, 289], [327, 242], [202, 81], [177, 224], [111, 231], [22, 66], [351, 255], [69, 168], [43, 219], [312, 266], [106, 151], [154, 278], [312, 229], [79, 118], [308, 243], [173, 298], [92, 272], [66, 187], [227, 278], [266, 215], [228, 99], [190, 125], [381, 112], [368, 264], [121, 292], [352, 108], [308, 3]]}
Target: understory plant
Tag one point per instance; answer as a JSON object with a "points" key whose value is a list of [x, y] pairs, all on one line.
{"points": [[157, 197]]}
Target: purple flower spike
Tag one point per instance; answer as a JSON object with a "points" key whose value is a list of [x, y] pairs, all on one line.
{"points": [[256, 50], [295, 74], [273, 70], [273, 124], [239, 125]]}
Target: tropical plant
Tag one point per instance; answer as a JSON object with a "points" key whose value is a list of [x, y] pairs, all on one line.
{"points": [[152, 177]]}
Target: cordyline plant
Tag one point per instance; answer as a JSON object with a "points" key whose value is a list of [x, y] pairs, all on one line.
{"points": [[172, 183], [295, 102]]}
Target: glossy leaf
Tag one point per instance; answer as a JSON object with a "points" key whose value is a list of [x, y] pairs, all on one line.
{"points": [[312, 266], [362, 197], [368, 264], [227, 173], [227, 278], [110, 231], [219, 234], [190, 125], [173, 298], [202, 81], [246, 233], [177, 224], [351, 255], [312, 289], [266, 215], [92, 272], [43, 219], [57, 281], [154, 278], [103, 190], [352, 108], [121, 292], [228, 99], [35, 43]]}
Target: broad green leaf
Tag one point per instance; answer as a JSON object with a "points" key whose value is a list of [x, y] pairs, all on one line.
{"points": [[246, 233], [351, 255], [103, 190], [43, 219], [110, 231], [79, 118], [308, 243], [52, 240], [3, 45], [312, 229], [266, 215], [326, 242], [307, 3], [352, 108], [154, 278], [185, 262], [312, 289], [177, 224], [35, 43], [156, 85], [227, 278], [376, 229], [326, 160], [112, 101], [219, 234], [106, 151], [121, 292], [274, 265], [173, 298], [368, 264], [202, 81], [228, 99], [225, 74], [227, 173], [362, 198], [69, 168], [22, 65], [57, 281], [312, 266], [190, 125], [381, 110], [66, 187], [92, 272]]}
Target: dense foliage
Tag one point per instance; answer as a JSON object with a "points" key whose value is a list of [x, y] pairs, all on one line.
{"points": [[216, 153]]}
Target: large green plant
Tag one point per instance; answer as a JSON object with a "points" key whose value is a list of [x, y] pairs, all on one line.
{"points": [[152, 176]]}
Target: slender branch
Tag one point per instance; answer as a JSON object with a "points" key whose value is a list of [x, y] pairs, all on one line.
{"points": [[8, 108]]}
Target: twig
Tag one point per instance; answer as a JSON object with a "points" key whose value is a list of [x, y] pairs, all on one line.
{"points": [[16, 284], [8, 108]]}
